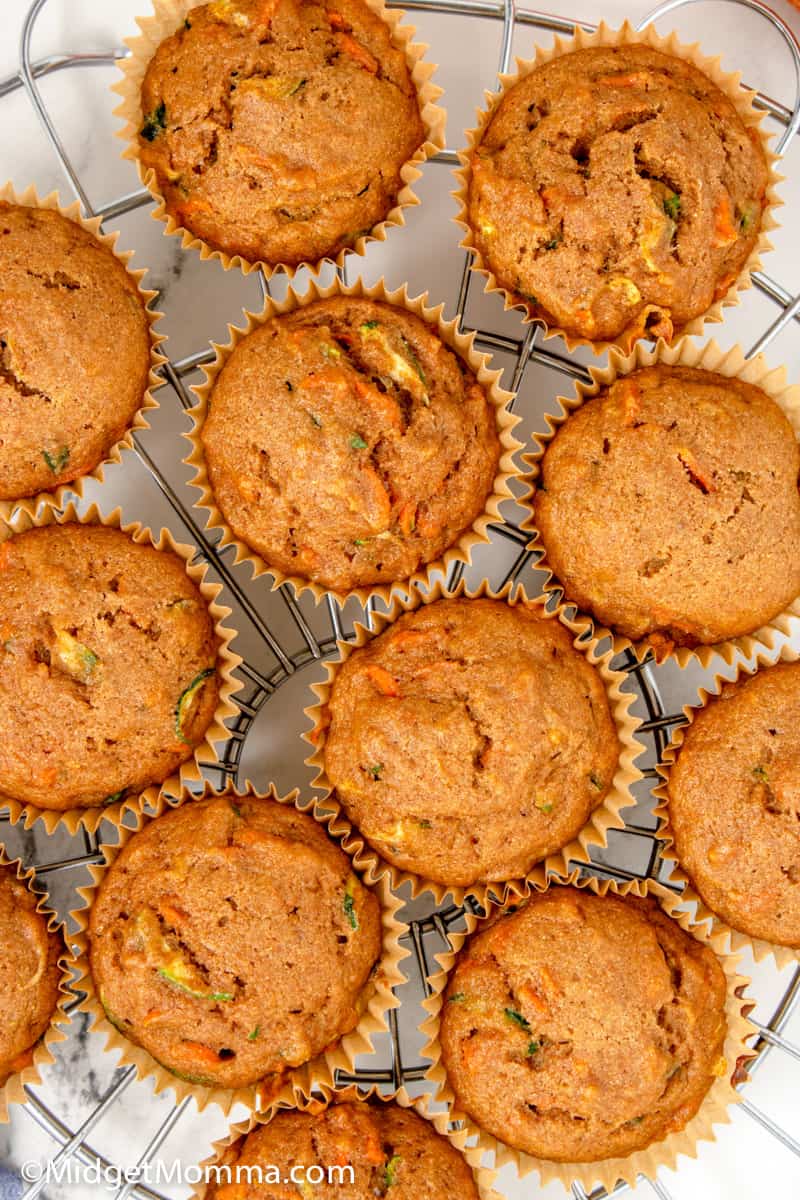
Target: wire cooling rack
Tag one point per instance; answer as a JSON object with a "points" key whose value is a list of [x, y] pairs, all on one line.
{"points": [[294, 635]]}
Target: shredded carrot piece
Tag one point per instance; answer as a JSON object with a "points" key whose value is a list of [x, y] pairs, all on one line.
{"points": [[46, 776], [202, 1054], [357, 52], [427, 526], [631, 80], [252, 837], [553, 196], [262, 20], [174, 914], [5, 555], [335, 19], [406, 520], [631, 396], [386, 684], [699, 477], [661, 645], [724, 285], [532, 997], [195, 204], [378, 506], [151, 1015], [405, 638], [725, 231], [381, 402]]}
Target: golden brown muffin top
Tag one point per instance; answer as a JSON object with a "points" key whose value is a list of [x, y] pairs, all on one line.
{"points": [[669, 506], [347, 444], [734, 804], [390, 1151], [617, 190], [469, 740], [277, 128], [74, 350], [107, 666], [29, 973], [232, 941], [583, 1027]]}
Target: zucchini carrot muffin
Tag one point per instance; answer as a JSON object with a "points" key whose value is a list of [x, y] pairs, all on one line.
{"points": [[231, 940], [277, 129], [583, 1027], [29, 974], [74, 350], [616, 191], [734, 804], [388, 1149], [469, 740], [668, 507], [347, 444], [107, 666]]}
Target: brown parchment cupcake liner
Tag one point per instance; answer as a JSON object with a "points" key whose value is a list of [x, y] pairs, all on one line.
{"points": [[169, 15], [289, 1098], [461, 344], [686, 353], [714, 1109], [30, 198], [760, 949], [727, 82], [595, 833], [378, 997], [25, 518], [13, 1090]]}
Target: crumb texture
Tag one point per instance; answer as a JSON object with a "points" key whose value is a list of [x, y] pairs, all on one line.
{"points": [[392, 1152], [734, 804], [346, 444], [74, 351], [107, 666], [277, 129], [669, 507], [231, 940], [29, 974], [618, 192], [469, 740], [556, 1046]]}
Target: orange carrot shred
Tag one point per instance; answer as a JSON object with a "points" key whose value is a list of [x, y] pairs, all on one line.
{"points": [[359, 53], [386, 684], [725, 231]]}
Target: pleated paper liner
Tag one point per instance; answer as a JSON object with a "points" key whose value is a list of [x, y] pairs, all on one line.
{"points": [[13, 1090], [607, 1172], [29, 198], [377, 998], [288, 1098], [461, 344], [685, 352], [783, 955], [169, 15], [606, 36], [74, 819], [606, 816]]}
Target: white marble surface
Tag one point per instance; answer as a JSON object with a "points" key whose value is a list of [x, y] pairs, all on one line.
{"points": [[199, 300]]}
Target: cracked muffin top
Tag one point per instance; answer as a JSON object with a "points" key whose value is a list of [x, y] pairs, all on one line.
{"points": [[734, 804], [346, 444], [390, 1150], [232, 941], [617, 191], [107, 666], [469, 740], [29, 974], [553, 1044], [277, 129], [669, 507], [74, 350]]}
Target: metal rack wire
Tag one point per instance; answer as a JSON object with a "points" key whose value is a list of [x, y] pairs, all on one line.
{"points": [[429, 932]]}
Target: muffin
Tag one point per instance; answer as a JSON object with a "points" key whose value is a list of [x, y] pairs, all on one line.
{"points": [[29, 974], [347, 444], [230, 939], [107, 666], [583, 1027], [469, 740], [363, 1149], [74, 350], [617, 192], [669, 509], [277, 129], [734, 804]]}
